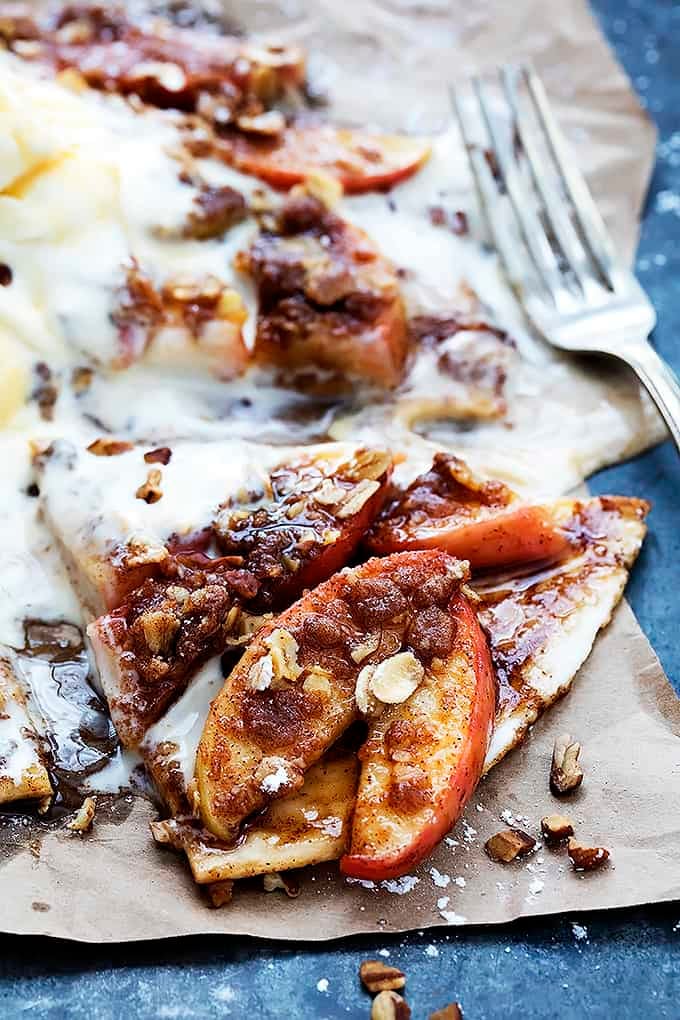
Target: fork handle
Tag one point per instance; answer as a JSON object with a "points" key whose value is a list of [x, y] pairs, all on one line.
{"points": [[660, 381]]}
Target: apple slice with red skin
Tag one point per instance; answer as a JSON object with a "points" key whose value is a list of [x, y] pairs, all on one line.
{"points": [[361, 160], [330, 312], [423, 758], [483, 522], [293, 692]]}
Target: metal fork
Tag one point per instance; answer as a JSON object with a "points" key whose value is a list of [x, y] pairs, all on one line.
{"points": [[552, 241]]}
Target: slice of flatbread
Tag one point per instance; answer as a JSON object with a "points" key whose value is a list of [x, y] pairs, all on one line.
{"points": [[23, 775]]}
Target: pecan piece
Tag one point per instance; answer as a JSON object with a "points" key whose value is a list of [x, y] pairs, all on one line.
{"points": [[586, 858], [377, 976], [450, 1012], [390, 1006], [565, 772], [556, 828], [161, 455], [104, 447], [505, 846], [150, 490], [220, 893]]}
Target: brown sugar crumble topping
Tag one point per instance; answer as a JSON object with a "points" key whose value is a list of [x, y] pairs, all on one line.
{"points": [[329, 302]]}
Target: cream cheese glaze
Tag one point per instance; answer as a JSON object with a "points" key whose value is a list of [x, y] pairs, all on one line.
{"points": [[86, 183]]}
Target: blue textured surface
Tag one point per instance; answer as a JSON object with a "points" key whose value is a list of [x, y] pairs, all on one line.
{"points": [[625, 964]]}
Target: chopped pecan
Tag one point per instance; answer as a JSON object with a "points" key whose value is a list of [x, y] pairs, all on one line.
{"points": [[104, 447], [46, 391], [586, 858], [215, 211], [161, 455], [556, 828], [150, 490], [450, 1012], [566, 774], [505, 846], [389, 1005], [81, 378], [378, 976], [220, 893]]}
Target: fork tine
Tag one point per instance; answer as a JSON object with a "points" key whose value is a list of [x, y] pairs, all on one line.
{"points": [[531, 229], [590, 223], [489, 200], [555, 210]]}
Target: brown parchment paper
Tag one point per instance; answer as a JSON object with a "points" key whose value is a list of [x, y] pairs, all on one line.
{"points": [[388, 62]]}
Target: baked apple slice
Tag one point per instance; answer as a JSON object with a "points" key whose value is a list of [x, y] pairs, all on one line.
{"points": [[368, 636], [307, 525], [166, 66], [424, 757], [330, 310], [303, 525], [483, 522], [361, 160]]}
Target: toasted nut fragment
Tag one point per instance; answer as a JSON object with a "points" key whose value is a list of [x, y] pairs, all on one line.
{"points": [[81, 379], [505, 846], [275, 880], [390, 1006], [109, 447], [150, 491], [371, 464], [318, 681], [378, 976], [283, 649], [323, 186], [355, 498], [450, 1012], [565, 772], [161, 455], [84, 816], [159, 629], [366, 648], [395, 679], [586, 858], [220, 893], [366, 701], [140, 551], [555, 828], [270, 123]]}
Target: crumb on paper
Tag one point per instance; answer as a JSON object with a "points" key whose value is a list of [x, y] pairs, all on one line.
{"points": [[400, 886], [468, 832], [365, 883], [443, 902], [460, 881], [439, 879]]}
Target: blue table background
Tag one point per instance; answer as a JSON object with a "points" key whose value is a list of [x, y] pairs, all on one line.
{"points": [[628, 965]]}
